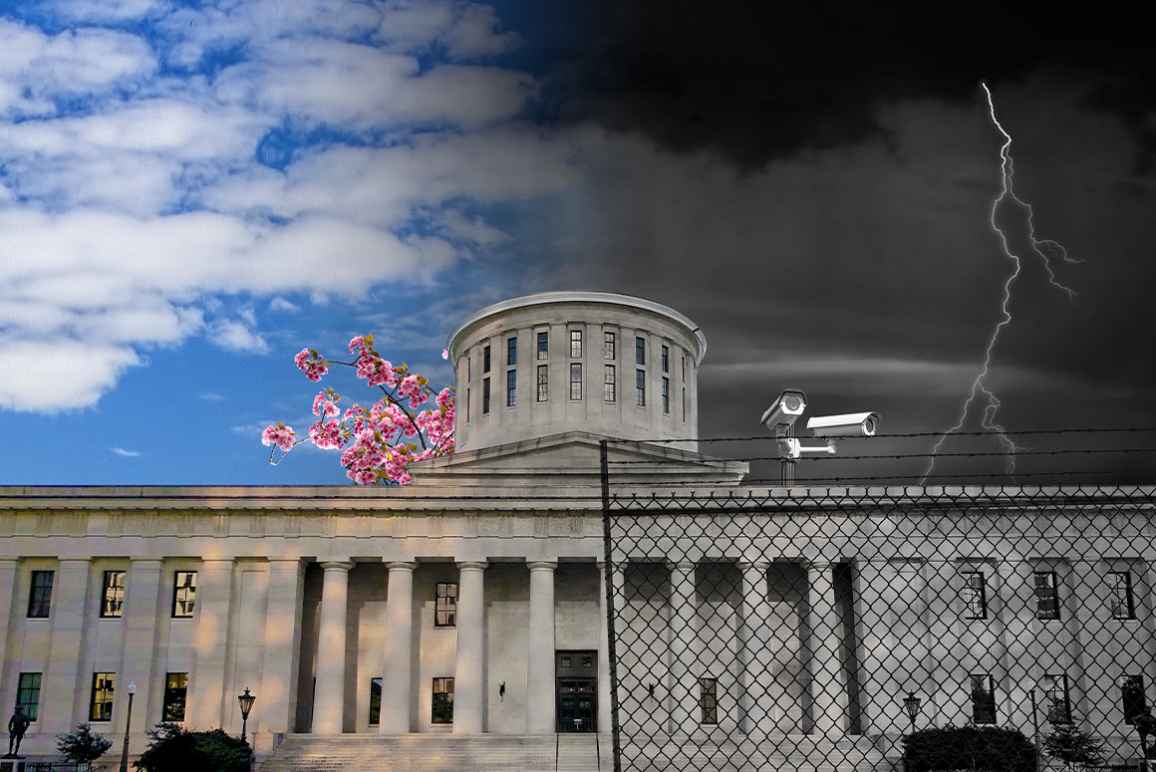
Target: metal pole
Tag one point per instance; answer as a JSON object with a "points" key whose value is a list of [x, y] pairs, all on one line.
{"points": [[607, 560], [1035, 729], [127, 729]]}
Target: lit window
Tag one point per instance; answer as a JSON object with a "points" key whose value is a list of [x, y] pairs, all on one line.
{"points": [[1047, 597], [485, 396], [982, 699], [443, 701], [1123, 606], [112, 595], [511, 351], [666, 395], [575, 381], [1055, 689], [609, 383], [511, 388], [28, 694], [708, 700], [576, 344], [543, 383], [609, 346], [640, 350], [374, 701], [543, 345], [486, 359], [640, 388], [446, 604], [176, 692], [1132, 700], [103, 689], [666, 359], [974, 595], [184, 594], [40, 595]]}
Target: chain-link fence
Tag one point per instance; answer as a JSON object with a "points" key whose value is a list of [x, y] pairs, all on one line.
{"points": [[821, 628]]}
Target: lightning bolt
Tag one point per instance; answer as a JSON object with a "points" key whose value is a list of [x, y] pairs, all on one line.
{"points": [[1048, 251]]}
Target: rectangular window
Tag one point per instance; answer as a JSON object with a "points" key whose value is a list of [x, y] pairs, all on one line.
{"points": [[469, 368], [485, 396], [176, 692], [640, 350], [575, 380], [666, 395], [684, 404], [708, 700], [1132, 700], [511, 351], [1055, 689], [112, 595], [446, 604], [543, 346], [684, 368], [103, 688], [486, 359], [184, 594], [511, 388], [28, 694], [974, 595], [1123, 605], [40, 595], [374, 701], [576, 344], [640, 388], [1047, 596], [443, 701], [609, 346], [468, 400], [543, 383], [609, 383], [666, 359], [982, 699]]}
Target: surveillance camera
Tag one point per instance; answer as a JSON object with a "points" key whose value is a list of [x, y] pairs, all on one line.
{"points": [[847, 424], [784, 411]]}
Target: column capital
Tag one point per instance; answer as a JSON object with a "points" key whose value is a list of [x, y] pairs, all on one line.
{"points": [[542, 565], [472, 565], [337, 565], [685, 566], [818, 564], [400, 565], [761, 566], [218, 559], [74, 559]]}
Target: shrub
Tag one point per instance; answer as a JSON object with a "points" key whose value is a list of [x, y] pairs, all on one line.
{"points": [[986, 748], [81, 745], [1071, 745], [172, 749]]}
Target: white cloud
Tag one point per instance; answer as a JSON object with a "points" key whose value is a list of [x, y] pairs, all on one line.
{"points": [[281, 305], [125, 453], [105, 10], [465, 30], [54, 375], [233, 335]]}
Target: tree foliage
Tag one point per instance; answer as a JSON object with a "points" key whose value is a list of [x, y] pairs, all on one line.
{"points": [[1072, 745], [172, 749], [81, 745], [972, 748]]}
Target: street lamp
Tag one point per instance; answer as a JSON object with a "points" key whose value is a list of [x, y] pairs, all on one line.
{"points": [[246, 700], [911, 704], [1145, 724], [127, 729]]}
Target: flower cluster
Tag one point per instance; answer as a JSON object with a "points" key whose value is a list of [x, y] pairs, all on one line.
{"points": [[377, 442]]}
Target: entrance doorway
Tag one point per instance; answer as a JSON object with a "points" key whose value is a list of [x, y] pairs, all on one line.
{"points": [[577, 691]]}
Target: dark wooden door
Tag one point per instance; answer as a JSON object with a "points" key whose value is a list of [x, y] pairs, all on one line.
{"points": [[577, 691]]}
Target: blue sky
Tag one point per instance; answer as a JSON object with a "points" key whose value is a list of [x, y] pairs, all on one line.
{"points": [[189, 194]]}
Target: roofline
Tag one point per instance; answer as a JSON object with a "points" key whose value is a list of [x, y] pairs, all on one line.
{"points": [[581, 296]]}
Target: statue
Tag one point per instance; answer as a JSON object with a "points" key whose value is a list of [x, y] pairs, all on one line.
{"points": [[17, 726]]}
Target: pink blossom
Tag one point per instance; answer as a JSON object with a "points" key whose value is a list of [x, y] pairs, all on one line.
{"points": [[311, 363], [445, 353], [326, 402], [280, 435], [326, 434]]}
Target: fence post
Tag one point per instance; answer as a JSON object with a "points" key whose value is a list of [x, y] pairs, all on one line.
{"points": [[608, 572]]}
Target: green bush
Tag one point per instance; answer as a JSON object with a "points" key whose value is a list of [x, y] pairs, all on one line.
{"points": [[972, 748], [172, 749], [1072, 745], [81, 745]]}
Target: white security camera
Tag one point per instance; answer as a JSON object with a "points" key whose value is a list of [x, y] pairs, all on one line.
{"points": [[845, 425], [784, 411]]}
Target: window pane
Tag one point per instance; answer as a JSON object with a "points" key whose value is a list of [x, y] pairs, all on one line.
{"points": [[445, 604], [640, 387], [640, 351], [974, 595], [609, 384], [1047, 597], [511, 388], [1123, 606], [103, 688], [28, 694], [666, 395], [543, 345], [666, 359], [982, 699], [486, 359], [374, 701], [609, 346], [1132, 700], [184, 594], [575, 381], [112, 594], [511, 351], [1055, 689], [708, 700], [40, 594], [543, 383], [443, 701], [576, 344], [176, 690], [485, 395]]}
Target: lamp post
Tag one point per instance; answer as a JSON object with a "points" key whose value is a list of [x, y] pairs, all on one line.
{"points": [[246, 700], [1145, 724], [911, 704], [127, 729]]}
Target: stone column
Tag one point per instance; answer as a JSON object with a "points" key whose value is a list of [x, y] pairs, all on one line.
{"points": [[142, 609], [605, 705], [7, 579], [277, 704], [683, 690], [469, 696], [540, 681], [828, 681], [65, 688], [397, 684], [752, 643], [210, 642], [329, 699]]}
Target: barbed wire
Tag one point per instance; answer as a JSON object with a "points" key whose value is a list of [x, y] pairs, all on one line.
{"points": [[896, 456], [901, 435]]}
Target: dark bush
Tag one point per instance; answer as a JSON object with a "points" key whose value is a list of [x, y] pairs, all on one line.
{"points": [[81, 745], [172, 749], [972, 748]]}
